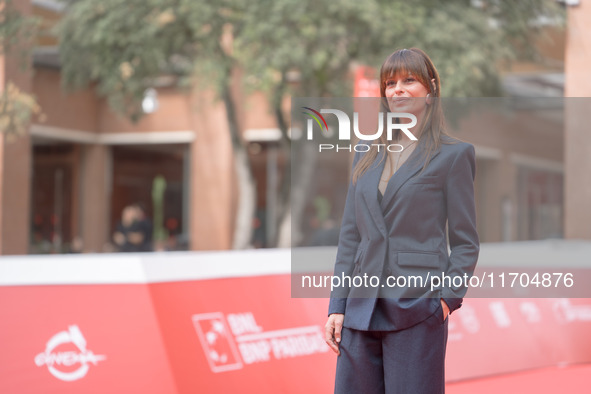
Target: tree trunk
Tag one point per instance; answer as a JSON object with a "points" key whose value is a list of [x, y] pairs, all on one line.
{"points": [[296, 183], [283, 219], [246, 184], [246, 202], [301, 182]]}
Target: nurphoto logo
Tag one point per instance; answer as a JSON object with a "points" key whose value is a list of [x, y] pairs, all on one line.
{"points": [[393, 122]]}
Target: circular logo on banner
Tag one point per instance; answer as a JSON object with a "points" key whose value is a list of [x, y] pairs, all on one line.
{"points": [[60, 364]]}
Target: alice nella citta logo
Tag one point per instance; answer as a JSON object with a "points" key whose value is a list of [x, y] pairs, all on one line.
{"points": [[60, 363]]}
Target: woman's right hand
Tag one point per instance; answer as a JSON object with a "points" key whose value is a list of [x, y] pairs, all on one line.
{"points": [[332, 331]]}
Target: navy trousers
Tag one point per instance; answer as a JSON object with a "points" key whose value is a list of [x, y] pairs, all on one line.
{"points": [[409, 361]]}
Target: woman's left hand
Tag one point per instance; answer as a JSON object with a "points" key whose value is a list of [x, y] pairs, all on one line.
{"points": [[445, 309]]}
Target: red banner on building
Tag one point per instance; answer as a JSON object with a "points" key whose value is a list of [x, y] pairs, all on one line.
{"points": [[367, 83]]}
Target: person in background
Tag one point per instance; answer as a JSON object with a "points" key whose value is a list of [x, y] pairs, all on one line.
{"points": [[145, 227], [134, 231]]}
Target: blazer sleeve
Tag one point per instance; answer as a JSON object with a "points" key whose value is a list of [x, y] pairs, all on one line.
{"points": [[461, 219], [349, 240]]}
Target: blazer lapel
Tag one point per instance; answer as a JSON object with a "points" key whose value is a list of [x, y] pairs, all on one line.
{"points": [[406, 171], [370, 182], [369, 189]]}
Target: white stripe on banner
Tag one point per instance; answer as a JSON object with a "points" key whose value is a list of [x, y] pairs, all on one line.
{"points": [[178, 266], [141, 267]]}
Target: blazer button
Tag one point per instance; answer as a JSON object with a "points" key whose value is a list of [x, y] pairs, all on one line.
{"points": [[388, 271]]}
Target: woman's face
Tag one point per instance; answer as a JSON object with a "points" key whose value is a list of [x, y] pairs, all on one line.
{"points": [[405, 92]]}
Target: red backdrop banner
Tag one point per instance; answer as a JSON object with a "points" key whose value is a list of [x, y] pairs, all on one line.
{"points": [[245, 333]]}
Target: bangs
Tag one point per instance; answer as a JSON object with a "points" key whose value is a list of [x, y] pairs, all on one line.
{"points": [[405, 61]]}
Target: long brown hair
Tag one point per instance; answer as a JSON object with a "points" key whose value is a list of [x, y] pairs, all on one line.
{"points": [[432, 124]]}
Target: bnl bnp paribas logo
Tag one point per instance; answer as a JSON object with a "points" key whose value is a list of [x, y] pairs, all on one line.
{"points": [[394, 121]]}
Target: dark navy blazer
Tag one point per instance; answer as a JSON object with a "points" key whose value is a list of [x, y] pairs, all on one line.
{"points": [[404, 234]]}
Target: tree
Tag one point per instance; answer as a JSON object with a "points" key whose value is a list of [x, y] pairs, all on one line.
{"points": [[17, 108], [317, 41], [125, 45], [320, 40]]}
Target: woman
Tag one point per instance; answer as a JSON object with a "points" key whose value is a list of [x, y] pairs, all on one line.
{"points": [[392, 337]]}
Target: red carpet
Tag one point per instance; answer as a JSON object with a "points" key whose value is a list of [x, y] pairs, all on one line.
{"points": [[574, 379]]}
